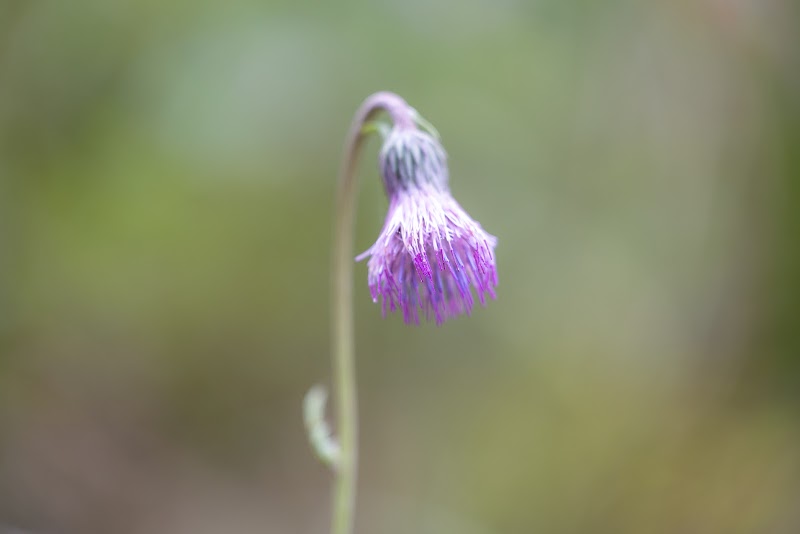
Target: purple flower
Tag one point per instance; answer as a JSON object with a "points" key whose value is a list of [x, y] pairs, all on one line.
{"points": [[430, 254]]}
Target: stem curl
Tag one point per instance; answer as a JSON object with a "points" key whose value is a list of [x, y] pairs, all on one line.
{"points": [[319, 433]]}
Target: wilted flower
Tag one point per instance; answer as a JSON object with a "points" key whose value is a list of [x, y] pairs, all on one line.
{"points": [[430, 253]]}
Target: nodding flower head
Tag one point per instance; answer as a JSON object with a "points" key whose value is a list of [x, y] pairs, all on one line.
{"points": [[430, 255]]}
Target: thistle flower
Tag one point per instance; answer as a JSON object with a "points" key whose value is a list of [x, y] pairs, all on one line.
{"points": [[428, 260], [430, 254]]}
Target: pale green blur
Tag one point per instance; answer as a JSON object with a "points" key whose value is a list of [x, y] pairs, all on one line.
{"points": [[167, 172]]}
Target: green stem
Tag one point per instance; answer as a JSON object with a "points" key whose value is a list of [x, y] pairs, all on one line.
{"points": [[344, 370]]}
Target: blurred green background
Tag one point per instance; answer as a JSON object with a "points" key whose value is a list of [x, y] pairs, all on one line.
{"points": [[167, 172]]}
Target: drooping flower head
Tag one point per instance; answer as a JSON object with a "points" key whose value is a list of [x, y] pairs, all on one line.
{"points": [[430, 256]]}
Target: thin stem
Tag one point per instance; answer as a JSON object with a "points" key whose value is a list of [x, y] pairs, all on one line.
{"points": [[344, 491]]}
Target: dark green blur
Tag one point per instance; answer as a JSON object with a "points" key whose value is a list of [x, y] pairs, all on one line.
{"points": [[167, 173]]}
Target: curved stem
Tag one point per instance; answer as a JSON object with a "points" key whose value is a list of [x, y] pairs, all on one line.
{"points": [[344, 490]]}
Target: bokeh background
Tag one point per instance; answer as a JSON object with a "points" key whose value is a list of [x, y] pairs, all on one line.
{"points": [[167, 172]]}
